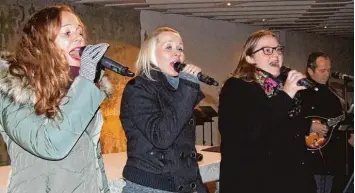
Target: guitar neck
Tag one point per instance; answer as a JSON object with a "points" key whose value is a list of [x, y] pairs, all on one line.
{"points": [[334, 121]]}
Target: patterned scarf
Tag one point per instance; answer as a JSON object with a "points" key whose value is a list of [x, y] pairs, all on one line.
{"points": [[272, 86]]}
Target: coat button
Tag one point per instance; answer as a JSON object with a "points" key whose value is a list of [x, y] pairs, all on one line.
{"points": [[180, 188], [182, 155], [193, 185], [151, 153], [192, 121], [193, 154], [199, 157]]}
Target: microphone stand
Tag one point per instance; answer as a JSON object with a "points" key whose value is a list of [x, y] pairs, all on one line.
{"points": [[346, 82]]}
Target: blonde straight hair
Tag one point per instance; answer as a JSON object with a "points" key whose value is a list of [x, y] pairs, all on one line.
{"points": [[147, 56]]}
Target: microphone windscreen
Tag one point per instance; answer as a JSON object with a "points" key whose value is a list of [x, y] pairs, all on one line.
{"points": [[178, 66], [335, 74], [81, 50], [283, 73]]}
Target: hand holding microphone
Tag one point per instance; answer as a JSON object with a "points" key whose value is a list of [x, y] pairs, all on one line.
{"points": [[90, 58], [295, 81], [291, 86], [191, 69], [93, 56]]}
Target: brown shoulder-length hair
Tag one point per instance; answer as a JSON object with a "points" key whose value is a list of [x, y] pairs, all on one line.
{"points": [[40, 63], [246, 70]]}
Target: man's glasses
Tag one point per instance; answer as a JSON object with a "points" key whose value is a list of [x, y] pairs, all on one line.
{"points": [[270, 50]]}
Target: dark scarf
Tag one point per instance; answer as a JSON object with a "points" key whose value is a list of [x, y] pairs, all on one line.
{"points": [[273, 85]]}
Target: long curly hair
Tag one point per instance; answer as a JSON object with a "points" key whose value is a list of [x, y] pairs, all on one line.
{"points": [[39, 63]]}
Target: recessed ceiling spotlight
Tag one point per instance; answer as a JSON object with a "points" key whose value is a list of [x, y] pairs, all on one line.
{"points": [[263, 20], [229, 4], [325, 26]]}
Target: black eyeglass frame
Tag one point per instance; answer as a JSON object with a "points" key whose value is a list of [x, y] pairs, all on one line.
{"points": [[273, 49]]}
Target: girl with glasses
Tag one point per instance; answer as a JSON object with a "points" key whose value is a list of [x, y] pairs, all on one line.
{"points": [[262, 133]]}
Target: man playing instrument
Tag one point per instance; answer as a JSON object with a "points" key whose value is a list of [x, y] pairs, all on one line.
{"points": [[329, 160]]}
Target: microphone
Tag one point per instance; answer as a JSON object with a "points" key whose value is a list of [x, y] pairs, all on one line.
{"points": [[110, 64], [178, 66], [339, 75], [303, 82]]}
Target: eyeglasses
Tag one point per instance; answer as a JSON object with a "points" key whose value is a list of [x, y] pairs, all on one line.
{"points": [[270, 50]]}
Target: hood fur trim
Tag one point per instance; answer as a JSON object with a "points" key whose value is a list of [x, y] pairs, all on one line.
{"points": [[106, 86], [20, 92], [12, 87]]}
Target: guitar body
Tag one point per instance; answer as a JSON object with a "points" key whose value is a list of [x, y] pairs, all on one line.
{"points": [[315, 141]]}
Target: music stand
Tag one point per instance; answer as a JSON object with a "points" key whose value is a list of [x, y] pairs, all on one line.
{"points": [[200, 120], [349, 188], [209, 112], [345, 90]]}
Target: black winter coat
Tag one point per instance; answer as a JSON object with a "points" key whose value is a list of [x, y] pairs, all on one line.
{"points": [[262, 148], [332, 160], [160, 129]]}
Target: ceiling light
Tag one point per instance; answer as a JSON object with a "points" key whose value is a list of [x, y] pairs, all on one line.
{"points": [[229, 4], [263, 20], [325, 26]]}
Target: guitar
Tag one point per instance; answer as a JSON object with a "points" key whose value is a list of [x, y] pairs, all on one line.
{"points": [[316, 141]]}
